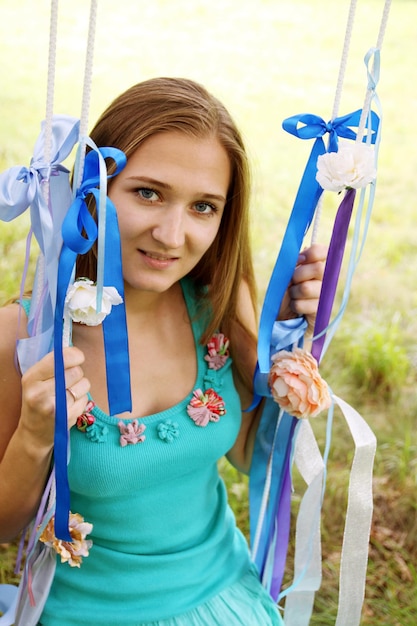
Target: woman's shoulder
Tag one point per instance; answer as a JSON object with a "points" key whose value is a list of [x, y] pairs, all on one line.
{"points": [[13, 325]]}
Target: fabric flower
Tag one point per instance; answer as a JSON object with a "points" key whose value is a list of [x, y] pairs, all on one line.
{"points": [[296, 384], [97, 433], [352, 167], [168, 431], [71, 552], [218, 351], [131, 433], [87, 418], [81, 301], [205, 407]]}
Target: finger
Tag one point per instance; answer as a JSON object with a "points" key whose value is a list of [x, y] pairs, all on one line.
{"points": [[78, 391], [308, 272], [44, 370], [73, 375], [307, 291], [73, 356], [306, 307], [307, 279], [315, 252]]}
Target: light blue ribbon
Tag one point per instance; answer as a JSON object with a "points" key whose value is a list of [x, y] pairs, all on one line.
{"points": [[273, 540], [304, 126], [21, 187], [79, 232]]}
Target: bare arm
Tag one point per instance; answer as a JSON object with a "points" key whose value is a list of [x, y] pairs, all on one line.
{"points": [[27, 408], [301, 299], [245, 351]]}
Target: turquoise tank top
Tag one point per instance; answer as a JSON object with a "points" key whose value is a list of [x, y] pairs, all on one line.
{"points": [[164, 536]]}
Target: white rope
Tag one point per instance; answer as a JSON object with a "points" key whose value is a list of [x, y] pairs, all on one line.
{"points": [[86, 98], [344, 58], [50, 91], [369, 91], [337, 98]]}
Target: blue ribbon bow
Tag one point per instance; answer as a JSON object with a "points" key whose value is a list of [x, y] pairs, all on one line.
{"points": [[304, 126], [21, 187], [79, 232], [271, 427]]}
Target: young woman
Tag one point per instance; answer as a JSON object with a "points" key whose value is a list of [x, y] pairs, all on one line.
{"points": [[166, 550]]}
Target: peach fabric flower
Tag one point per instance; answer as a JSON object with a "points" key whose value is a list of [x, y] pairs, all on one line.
{"points": [[70, 552], [296, 384]]}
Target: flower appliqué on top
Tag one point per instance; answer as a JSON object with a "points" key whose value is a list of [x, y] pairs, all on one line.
{"points": [[168, 431], [131, 433], [86, 423], [87, 418], [218, 351], [208, 406], [205, 407]]}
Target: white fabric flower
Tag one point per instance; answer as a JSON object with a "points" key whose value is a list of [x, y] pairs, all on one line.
{"points": [[353, 166], [81, 301]]}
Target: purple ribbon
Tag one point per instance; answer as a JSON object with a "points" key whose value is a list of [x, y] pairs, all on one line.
{"points": [[275, 526], [332, 271], [283, 523]]}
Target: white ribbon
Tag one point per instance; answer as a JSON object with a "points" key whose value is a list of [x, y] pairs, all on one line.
{"points": [[354, 556], [307, 559]]}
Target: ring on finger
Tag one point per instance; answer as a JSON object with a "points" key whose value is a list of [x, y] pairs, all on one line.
{"points": [[72, 393]]}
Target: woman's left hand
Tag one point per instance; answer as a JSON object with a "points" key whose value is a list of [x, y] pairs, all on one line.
{"points": [[303, 292]]}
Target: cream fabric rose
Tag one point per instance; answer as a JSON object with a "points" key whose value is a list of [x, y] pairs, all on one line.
{"points": [[81, 298], [296, 384], [70, 552], [353, 166]]}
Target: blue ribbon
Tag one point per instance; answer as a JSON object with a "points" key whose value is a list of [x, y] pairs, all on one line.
{"points": [[304, 126], [271, 428], [79, 232], [281, 430]]}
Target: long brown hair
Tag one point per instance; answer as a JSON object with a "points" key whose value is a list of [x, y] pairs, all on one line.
{"points": [[177, 104]]}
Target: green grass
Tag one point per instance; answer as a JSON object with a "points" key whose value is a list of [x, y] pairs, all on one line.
{"points": [[268, 60]]}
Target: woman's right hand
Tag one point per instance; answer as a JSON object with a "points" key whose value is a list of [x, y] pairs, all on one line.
{"points": [[38, 396]]}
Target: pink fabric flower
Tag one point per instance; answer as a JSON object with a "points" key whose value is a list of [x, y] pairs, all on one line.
{"points": [[131, 432], [218, 351], [205, 407], [87, 418], [71, 552], [296, 384]]}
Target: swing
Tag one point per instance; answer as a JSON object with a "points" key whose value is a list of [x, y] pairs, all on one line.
{"points": [[270, 481], [281, 439]]}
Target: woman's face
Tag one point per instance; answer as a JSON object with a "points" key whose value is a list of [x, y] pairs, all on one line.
{"points": [[169, 199]]}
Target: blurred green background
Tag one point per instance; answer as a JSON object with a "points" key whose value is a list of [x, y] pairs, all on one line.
{"points": [[268, 60]]}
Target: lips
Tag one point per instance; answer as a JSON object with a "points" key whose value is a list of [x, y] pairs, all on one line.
{"points": [[158, 257], [157, 261]]}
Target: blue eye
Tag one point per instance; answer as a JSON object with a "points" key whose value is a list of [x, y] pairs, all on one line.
{"points": [[205, 208], [147, 194]]}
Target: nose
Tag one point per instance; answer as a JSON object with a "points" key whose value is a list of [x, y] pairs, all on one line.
{"points": [[170, 230]]}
